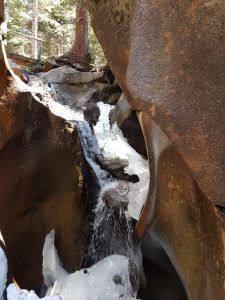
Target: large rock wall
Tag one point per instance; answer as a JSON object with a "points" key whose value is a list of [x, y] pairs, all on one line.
{"points": [[41, 182], [168, 57]]}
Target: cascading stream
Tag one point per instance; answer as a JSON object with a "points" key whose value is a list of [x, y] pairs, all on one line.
{"points": [[111, 230]]}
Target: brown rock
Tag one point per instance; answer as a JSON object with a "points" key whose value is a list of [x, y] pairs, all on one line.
{"points": [[167, 68], [41, 185]]}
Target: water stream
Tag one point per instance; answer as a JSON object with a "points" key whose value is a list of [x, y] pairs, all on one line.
{"points": [[111, 229], [111, 237]]}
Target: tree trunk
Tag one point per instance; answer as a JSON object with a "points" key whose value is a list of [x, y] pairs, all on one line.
{"points": [[1, 11], [35, 29], [80, 50]]}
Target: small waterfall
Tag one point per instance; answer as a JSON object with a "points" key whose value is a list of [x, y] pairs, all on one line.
{"points": [[111, 229], [91, 152]]}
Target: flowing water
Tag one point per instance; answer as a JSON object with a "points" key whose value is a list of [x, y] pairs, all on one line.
{"points": [[111, 229]]}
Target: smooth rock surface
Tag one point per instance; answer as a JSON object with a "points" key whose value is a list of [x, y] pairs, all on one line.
{"points": [[168, 69]]}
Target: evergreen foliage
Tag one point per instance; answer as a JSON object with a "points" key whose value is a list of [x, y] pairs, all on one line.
{"points": [[56, 27]]}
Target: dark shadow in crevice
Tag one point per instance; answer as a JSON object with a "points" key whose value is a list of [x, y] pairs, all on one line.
{"points": [[162, 281]]}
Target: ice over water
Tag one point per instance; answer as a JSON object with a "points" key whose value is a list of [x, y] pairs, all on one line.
{"points": [[3, 271], [107, 279]]}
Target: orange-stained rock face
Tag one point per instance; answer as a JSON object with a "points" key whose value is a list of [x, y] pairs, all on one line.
{"points": [[169, 59]]}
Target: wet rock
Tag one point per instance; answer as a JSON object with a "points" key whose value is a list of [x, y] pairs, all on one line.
{"points": [[159, 272], [69, 75], [91, 112], [113, 163], [77, 95], [114, 234], [109, 74], [132, 131], [121, 174], [110, 94], [114, 200], [117, 279], [113, 99]]}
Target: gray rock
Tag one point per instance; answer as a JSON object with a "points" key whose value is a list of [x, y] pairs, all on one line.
{"points": [[77, 95], [69, 75], [127, 121], [121, 112], [114, 200]]}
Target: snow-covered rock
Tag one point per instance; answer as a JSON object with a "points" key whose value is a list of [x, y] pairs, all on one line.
{"points": [[3, 271]]}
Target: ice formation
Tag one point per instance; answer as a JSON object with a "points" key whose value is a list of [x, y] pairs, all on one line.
{"points": [[3, 271], [52, 268], [15, 293], [107, 279]]}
